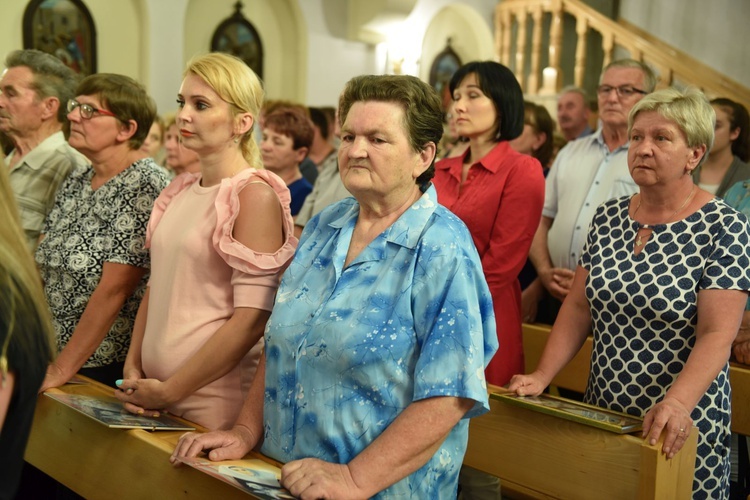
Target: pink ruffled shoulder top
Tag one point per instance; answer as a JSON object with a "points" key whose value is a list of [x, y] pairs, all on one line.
{"points": [[199, 275]]}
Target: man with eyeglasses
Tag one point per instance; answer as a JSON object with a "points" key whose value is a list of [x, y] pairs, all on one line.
{"points": [[586, 173], [34, 91]]}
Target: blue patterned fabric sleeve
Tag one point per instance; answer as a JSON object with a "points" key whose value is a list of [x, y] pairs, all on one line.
{"points": [[455, 325]]}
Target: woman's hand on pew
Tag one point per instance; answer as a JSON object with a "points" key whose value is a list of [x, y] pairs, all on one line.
{"points": [[528, 385], [143, 396], [221, 445], [668, 416]]}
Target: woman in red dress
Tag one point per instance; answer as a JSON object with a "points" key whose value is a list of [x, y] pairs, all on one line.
{"points": [[497, 192]]}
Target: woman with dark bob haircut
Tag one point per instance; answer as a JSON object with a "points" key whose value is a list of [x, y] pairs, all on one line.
{"points": [[497, 192]]}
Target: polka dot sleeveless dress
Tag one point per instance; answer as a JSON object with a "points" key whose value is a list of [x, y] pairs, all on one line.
{"points": [[644, 314]]}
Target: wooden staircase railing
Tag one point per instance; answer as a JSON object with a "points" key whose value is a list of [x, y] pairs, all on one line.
{"points": [[673, 66]]}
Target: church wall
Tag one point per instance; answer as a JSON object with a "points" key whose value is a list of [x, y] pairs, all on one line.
{"points": [[713, 32], [120, 35], [309, 57]]}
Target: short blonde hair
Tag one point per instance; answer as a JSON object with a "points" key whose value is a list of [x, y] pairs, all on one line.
{"points": [[689, 109], [236, 84]]}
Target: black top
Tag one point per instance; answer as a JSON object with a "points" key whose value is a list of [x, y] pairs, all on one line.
{"points": [[29, 367]]}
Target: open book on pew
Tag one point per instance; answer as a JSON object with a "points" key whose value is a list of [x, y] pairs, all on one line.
{"points": [[608, 420], [252, 476], [109, 411]]}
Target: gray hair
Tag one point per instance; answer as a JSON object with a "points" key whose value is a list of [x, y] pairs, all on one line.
{"points": [[51, 77], [576, 90], [649, 77]]}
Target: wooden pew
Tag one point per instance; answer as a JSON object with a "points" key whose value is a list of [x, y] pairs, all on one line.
{"points": [[102, 463], [543, 456], [575, 375]]}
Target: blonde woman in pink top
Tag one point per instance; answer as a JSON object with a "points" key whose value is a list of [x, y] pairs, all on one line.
{"points": [[219, 241]]}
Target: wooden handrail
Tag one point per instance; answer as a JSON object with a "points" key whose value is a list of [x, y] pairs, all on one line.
{"points": [[673, 66]]}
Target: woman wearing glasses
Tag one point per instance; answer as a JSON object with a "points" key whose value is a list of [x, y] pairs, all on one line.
{"points": [[661, 284], [91, 256]]}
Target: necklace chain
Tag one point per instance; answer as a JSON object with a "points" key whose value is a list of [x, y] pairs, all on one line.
{"points": [[639, 241]]}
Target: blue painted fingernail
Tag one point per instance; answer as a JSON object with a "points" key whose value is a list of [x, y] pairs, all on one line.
{"points": [[118, 383]]}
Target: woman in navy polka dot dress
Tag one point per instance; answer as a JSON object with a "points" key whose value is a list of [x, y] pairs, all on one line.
{"points": [[661, 284]]}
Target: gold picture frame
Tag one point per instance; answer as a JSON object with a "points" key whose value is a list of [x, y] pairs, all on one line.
{"points": [[237, 36], [63, 28], [582, 413]]}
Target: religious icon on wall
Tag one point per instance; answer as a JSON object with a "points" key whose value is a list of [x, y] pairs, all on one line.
{"points": [[237, 36], [63, 28], [445, 64]]}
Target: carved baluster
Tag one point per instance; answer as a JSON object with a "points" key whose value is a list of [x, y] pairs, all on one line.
{"points": [[608, 44], [582, 28], [505, 56], [555, 39], [536, 49], [666, 77], [499, 30], [520, 69]]}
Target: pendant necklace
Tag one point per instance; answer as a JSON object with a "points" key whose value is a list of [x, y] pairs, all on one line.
{"points": [[638, 240]]}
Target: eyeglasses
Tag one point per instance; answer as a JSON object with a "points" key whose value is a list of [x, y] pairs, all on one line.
{"points": [[87, 111], [622, 91]]}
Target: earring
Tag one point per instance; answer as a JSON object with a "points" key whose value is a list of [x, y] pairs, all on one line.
{"points": [[236, 140]]}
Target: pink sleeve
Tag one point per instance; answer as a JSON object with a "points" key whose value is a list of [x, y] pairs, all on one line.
{"points": [[255, 275], [178, 184]]}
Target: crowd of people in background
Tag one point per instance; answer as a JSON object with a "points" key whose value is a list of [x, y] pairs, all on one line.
{"points": [[323, 284]]}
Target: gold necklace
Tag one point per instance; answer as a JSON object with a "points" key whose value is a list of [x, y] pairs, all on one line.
{"points": [[638, 240]]}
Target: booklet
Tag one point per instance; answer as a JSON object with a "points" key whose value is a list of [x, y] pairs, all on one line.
{"points": [[613, 421], [109, 411], [253, 476]]}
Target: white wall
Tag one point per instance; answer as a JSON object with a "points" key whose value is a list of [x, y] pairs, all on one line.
{"points": [[716, 32], [165, 61], [281, 27], [471, 38], [332, 60], [469, 42], [312, 59]]}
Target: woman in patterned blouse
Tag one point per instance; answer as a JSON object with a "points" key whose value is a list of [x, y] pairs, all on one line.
{"points": [[92, 256], [382, 326], [661, 284]]}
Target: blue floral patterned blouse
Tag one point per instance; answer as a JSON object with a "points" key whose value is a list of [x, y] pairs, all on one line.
{"points": [[348, 349]]}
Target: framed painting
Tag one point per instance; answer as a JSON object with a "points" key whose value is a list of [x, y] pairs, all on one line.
{"points": [[445, 64], [63, 28], [237, 36]]}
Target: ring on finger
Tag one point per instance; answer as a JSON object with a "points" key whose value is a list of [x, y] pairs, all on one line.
{"points": [[682, 430]]}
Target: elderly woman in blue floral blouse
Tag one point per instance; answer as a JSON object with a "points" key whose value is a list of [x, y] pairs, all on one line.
{"points": [[383, 323]]}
